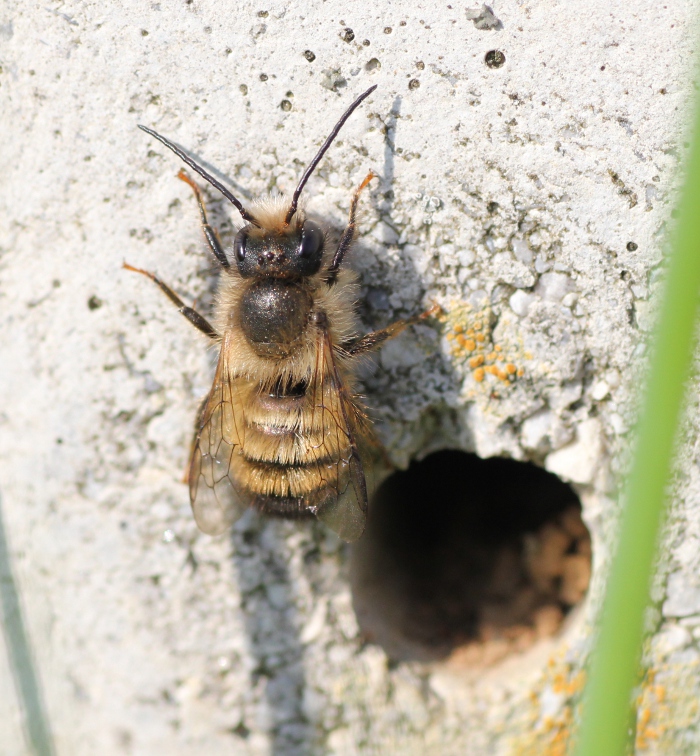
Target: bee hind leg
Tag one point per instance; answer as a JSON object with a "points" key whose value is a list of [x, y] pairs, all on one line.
{"points": [[197, 320]]}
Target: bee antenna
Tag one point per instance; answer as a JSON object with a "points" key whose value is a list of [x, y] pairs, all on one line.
{"points": [[244, 213], [322, 152]]}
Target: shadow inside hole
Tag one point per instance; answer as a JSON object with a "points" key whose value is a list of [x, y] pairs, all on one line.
{"points": [[465, 552]]}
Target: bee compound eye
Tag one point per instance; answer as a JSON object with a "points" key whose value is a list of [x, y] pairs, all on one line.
{"points": [[239, 245], [311, 240]]}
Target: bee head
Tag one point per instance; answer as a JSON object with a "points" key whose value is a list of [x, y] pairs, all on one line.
{"points": [[294, 247], [293, 253]]}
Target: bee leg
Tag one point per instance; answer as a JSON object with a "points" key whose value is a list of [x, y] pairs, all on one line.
{"points": [[377, 338], [197, 320], [209, 231], [348, 235]]}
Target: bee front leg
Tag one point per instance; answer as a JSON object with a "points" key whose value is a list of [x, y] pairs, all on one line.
{"points": [[197, 320], [348, 235], [375, 339], [209, 231]]}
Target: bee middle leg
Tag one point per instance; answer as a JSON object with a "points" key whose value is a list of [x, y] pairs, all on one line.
{"points": [[375, 339], [197, 320]]}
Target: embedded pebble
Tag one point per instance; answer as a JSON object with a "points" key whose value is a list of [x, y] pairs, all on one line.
{"points": [[466, 257], [522, 251], [682, 595], [578, 461], [535, 430], [600, 390], [553, 287], [520, 302], [541, 264]]}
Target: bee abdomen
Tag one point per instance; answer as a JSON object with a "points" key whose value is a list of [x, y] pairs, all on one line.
{"points": [[271, 478], [293, 455], [282, 506], [291, 445], [293, 507]]}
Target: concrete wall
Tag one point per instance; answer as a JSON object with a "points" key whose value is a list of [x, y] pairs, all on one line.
{"points": [[539, 191]]}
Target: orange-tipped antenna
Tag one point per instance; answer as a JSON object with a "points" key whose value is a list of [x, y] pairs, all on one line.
{"points": [[183, 156], [322, 152]]}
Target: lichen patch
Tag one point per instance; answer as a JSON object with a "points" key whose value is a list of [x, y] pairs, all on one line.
{"points": [[487, 363]]}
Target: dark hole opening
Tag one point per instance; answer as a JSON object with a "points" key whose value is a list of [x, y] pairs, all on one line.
{"points": [[470, 558]]}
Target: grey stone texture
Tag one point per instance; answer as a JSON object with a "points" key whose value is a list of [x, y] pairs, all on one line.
{"points": [[536, 195]]}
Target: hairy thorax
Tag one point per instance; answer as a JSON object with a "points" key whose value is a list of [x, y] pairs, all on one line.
{"points": [[274, 314]]}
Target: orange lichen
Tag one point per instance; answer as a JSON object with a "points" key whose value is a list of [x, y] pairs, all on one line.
{"points": [[471, 340], [652, 712], [467, 344], [551, 735]]}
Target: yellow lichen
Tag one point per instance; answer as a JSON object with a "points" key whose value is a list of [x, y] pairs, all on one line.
{"points": [[551, 735], [471, 340]]}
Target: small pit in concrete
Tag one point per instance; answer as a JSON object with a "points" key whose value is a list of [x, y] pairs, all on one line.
{"points": [[469, 558]]}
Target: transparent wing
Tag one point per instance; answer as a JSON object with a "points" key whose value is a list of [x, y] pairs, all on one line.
{"points": [[324, 473], [344, 507], [217, 502]]}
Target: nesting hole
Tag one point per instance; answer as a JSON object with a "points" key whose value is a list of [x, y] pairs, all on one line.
{"points": [[473, 559]]}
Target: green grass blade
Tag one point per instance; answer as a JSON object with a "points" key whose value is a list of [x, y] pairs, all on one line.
{"points": [[17, 641], [615, 661]]}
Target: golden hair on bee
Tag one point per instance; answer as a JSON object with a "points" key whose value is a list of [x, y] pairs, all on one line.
{"points": [[282, 429]]}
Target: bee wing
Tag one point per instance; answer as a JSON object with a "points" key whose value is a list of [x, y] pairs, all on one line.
{"points": [[217, 502], [344, 512]]}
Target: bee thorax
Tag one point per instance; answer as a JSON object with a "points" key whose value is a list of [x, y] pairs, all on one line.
{"points": [[274, 315]]}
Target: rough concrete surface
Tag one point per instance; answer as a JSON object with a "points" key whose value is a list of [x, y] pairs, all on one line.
{"points": [[535, 194]]}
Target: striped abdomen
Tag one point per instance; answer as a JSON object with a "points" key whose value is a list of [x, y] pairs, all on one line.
{"points": [[294, 451]]}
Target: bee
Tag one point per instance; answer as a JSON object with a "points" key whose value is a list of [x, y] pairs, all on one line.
{"points": [[282, 429]]}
